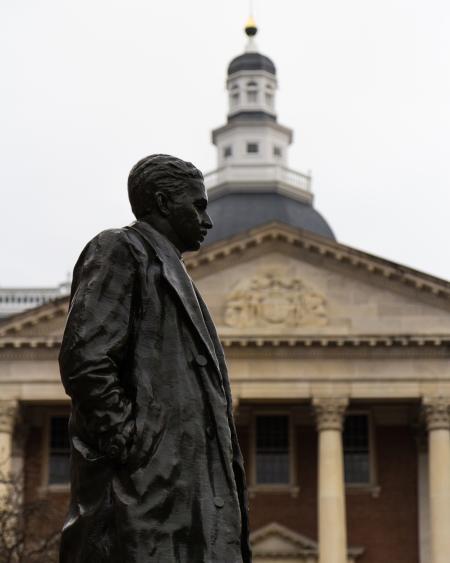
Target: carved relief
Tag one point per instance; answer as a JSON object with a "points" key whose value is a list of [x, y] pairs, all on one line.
{"points": [[274, 298]]}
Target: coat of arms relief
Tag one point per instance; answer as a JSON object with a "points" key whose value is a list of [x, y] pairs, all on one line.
{"points": [[274, 299]]}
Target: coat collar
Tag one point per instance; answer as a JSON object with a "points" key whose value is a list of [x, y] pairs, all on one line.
{"points": [[175, 273]]}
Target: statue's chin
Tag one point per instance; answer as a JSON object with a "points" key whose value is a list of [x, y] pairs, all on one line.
{"points": [[195, 246]]}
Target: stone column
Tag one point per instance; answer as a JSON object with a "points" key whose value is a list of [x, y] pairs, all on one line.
{"points": [[331, 497], [8, 411], [437, 416]]}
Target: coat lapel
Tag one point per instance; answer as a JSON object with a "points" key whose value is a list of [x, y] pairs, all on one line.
{"points": [[177, 276]]}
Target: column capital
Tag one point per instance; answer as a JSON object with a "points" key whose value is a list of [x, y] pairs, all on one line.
{"points": [[330, 412], [437, 413], [8, 414]]}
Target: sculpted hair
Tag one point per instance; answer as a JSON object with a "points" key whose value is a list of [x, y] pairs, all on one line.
{"points": [[154, 173]]}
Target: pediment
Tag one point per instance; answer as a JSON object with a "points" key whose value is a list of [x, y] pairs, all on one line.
{"points": [[278, 281], [277, 543], [276, 540], [39, 325]]}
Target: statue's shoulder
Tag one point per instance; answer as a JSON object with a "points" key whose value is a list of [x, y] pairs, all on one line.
{"points": [[116, 247], [111, 244], [109, 240]]}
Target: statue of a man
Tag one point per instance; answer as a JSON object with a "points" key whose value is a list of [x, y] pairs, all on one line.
{"points": [[156, 470]]}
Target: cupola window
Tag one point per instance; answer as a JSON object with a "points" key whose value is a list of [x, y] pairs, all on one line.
{"points": [[277, 152], [234, 96], [252, 92], [228, 151], [252, 148], [269, 95]]}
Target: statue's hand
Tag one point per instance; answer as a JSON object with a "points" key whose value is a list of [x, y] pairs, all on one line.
{"points": [[117, 443]]}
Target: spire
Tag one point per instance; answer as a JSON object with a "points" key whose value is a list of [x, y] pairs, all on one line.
{"points": [[251, 30]]}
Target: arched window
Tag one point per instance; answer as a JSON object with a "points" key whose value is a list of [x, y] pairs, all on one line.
{"points": [[252, 92]]}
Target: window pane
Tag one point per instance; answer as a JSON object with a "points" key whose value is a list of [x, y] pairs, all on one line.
{"points": [[272, 449], [59, 434], [356, 449], [59, 454], [59, 468], [252, 147]]}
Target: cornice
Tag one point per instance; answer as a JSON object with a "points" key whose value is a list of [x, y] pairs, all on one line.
{"points": [[14, 343], [347, 343], [325, 248], [337, 341]]}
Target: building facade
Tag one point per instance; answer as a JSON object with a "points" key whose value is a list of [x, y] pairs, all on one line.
{"points": [[338, 360], [14, 300]]}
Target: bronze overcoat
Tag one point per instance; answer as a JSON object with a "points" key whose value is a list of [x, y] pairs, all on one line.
{"points": [[140, 344]]}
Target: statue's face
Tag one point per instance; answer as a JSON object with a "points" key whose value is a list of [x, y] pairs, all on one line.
{"points": [[188, 216]]}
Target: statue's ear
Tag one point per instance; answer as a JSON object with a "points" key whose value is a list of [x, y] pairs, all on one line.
{"points": [[162, 203]]}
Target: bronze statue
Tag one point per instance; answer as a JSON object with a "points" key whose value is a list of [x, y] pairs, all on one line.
{"points": [[156, 470]]}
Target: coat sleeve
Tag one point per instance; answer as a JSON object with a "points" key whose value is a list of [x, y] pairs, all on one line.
{"points": [[97, 334]]}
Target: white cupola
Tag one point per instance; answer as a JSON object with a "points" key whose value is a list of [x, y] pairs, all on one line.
{"points": [[252, 81], [252, 135], [252, 147]]}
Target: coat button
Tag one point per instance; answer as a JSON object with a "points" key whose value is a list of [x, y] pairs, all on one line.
{"points": [[210, 431], [201, 360], [219, 502]]}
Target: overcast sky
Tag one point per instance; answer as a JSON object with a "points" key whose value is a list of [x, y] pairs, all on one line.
{"points": [[88, 87]]}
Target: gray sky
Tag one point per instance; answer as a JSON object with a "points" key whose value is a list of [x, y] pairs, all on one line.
{"points": [[91, 86]]}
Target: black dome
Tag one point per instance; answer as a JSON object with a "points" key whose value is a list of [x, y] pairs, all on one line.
{"points": [[235, 213], [251, 61]]}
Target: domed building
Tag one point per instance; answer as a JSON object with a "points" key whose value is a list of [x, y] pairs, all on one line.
{"points": [[253, 184], [338, 360]]}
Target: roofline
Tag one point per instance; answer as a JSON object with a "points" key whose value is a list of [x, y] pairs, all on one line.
{"points": [[33, 315], [253, 123], [323, 246]]}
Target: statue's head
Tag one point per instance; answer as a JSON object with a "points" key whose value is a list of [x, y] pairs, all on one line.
{"points": [[169, 194]]}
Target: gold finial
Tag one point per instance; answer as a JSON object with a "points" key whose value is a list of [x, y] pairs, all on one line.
{"points": [[250, 27]]}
